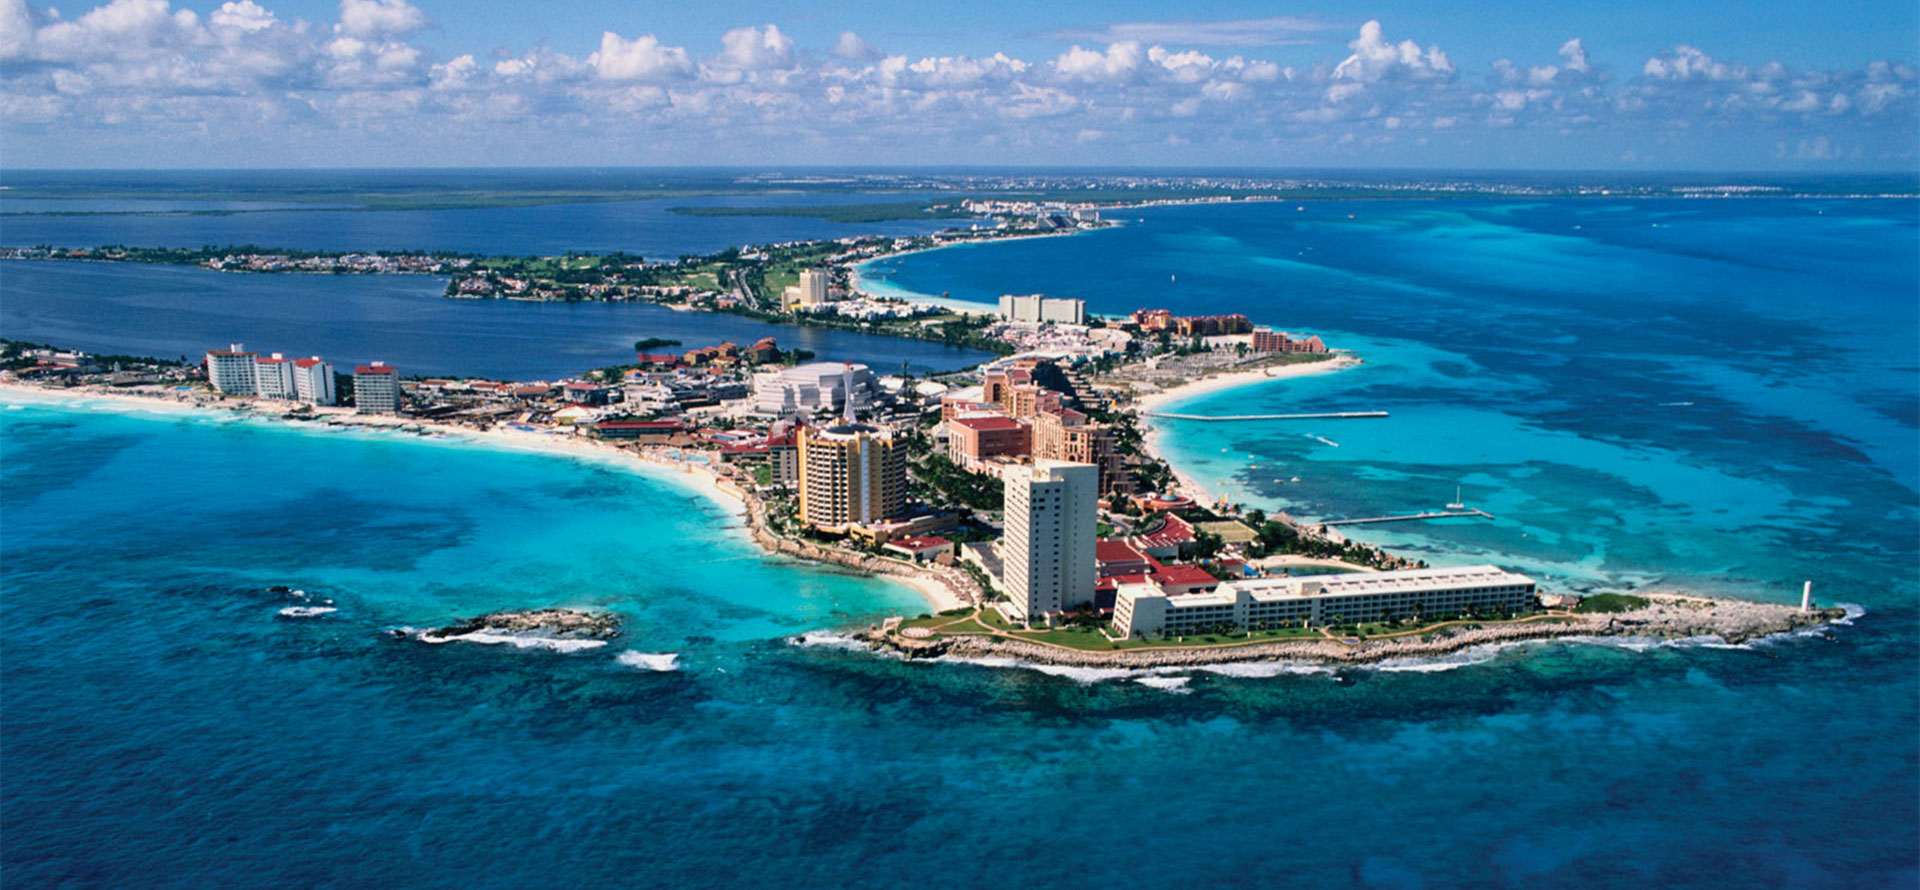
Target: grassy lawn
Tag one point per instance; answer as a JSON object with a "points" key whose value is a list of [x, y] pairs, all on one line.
{"points": [[1611, 602]]}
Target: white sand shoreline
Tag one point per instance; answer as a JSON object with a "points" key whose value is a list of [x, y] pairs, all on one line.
{"points": [[1152, 434], [694, 477]]}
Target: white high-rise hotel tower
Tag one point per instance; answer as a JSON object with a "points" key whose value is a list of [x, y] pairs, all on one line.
{"points": [[1051, 527]]}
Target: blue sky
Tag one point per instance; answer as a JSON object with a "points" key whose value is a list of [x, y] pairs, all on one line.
{"points": [[1626, 85]]}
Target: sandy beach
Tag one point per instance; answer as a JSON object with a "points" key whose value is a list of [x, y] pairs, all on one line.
{"points": [[695, 476], [1160, 401]]}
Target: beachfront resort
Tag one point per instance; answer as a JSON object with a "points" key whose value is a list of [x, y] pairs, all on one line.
{"points": [[1021, 496]]}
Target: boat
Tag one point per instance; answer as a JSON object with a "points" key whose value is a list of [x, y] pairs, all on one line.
{"points": [[1457, 504]]}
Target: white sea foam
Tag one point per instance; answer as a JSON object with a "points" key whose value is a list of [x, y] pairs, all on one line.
{"points": [[518, 641], [1255, 670], [826, 639], [649, 661], [1175, 685], [306, 611]]}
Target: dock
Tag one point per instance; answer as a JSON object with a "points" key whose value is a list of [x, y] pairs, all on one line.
{"points": [[1334, 415], [1410, 517]]}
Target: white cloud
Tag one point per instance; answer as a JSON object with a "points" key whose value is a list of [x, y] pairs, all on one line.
{"points": [[854, 49], [1274, 31], [144, 66], [642, 58], [755, 49], [1118, 64], [1374, 59], [379, 18]]}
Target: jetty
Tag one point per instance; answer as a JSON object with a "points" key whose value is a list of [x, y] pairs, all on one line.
{"points": [[1410, 517], [1333, 415]]}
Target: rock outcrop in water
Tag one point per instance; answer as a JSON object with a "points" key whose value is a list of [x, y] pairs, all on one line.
{"points": [[556, 624], [1665, 617]]}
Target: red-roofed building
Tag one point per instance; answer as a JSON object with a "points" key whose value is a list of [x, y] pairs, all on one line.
{"points": [[660, 359], [1169, 542], [920, 547], [1114, 556], [376, 389], [649, 431], [1184, 579], [973, 438]]}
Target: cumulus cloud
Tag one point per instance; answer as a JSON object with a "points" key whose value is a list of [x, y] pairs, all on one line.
{"points": [[755, 49], [854, 49], [1274, 31], [1119, 63], [365, 19], [1375, 59], [145, 66], [642, 58]]}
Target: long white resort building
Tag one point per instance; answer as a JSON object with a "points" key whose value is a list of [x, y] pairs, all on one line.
{"points": [[1256, 603]]}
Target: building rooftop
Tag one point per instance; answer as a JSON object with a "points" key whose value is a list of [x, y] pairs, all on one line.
{"points": [[986, 423], [921, 542], [375, 369]]}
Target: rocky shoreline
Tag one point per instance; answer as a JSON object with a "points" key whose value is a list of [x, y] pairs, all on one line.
{"points": [[1666, 617]]}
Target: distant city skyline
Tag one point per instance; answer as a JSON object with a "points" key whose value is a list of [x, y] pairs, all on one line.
{"points": [[309, 83]]}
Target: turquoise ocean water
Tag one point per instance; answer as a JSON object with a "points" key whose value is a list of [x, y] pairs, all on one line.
{"points": [[162, 728]]}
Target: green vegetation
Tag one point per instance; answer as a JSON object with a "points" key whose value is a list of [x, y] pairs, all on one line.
{"points": [[1611, 602], [943, 482], [653, 343]]}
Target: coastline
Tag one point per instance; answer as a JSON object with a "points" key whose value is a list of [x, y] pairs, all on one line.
{"points": [[860, 280], [1667, 618], [1151, 435], [694, 477]]}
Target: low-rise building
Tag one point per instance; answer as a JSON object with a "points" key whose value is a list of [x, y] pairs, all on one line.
{"points": [[1259, 603], [920, 547], [975, 437]]}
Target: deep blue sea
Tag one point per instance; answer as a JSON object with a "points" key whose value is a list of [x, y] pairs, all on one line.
{"points": [[160, 727], [164, 209]]}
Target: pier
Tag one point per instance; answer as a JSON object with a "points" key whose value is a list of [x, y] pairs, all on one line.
{"points": [[1335, 415], [1409, 517]]}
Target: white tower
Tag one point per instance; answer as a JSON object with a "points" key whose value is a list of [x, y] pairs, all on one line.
{"points": [[1051, 528]]}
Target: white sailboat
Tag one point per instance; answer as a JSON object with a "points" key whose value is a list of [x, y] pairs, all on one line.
{"points": [[1457, 504]]}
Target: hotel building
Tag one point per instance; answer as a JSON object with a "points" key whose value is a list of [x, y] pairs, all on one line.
{"points": [[1066, 435], [813, 388], [313, 381], [273, 377], [850, 474], [1047, 551], [376, 389], [230, 370], [1036, 308], [1257, 603]]}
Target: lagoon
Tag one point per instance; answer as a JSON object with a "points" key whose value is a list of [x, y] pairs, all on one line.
{"points": [[170, 311]]}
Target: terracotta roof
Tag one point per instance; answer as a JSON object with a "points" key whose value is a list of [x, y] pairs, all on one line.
{"points": [[987, 424], [641, 424], [1115, 551], [1183, 575], [921, 542], [375, 369]]}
